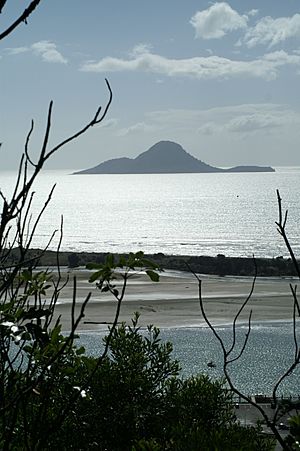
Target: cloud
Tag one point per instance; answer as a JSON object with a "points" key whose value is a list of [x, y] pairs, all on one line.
{"points": [[254, 122], [208, 67], [48, 51], [256, 131], [140, 49], [109, 123], [138, 127], [269, 31], [45, 49], [216, 21], [253, 12], [16, 50], [238, 119], [281, 58], [209, 128]]}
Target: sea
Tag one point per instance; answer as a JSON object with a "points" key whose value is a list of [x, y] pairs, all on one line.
{"points": [[183, 214], [269, 353], [233, 214]]}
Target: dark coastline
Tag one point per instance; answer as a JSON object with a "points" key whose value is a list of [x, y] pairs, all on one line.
{"points": [[219, 265]]}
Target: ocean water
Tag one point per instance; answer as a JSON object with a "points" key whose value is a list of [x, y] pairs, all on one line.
{"points": [[269, 352], [183, 214]]}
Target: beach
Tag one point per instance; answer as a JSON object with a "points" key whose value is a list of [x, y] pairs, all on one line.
{"points": [[174, 300]]}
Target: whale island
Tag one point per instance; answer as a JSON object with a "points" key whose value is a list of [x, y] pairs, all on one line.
{"points": [[164, 157]]}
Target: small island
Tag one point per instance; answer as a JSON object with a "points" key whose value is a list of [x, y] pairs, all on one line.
{"points": [[164, 157]]}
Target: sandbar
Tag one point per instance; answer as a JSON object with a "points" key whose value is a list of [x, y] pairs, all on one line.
{"points": [[174, 300]]}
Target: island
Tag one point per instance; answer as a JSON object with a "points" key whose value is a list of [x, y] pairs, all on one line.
{"points": [[164, 157]]}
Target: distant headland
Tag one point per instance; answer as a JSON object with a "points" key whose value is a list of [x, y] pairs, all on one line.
{"points": [[164, 157]]}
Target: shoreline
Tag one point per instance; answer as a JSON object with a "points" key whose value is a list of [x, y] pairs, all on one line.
{"points": [[219, 265], [254, 324], [173, 302]]}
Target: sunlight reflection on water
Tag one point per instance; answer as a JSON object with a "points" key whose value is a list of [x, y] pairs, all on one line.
{"points": [[269, 351], [187, 214]]}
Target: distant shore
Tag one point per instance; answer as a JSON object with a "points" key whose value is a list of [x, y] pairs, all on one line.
{"points": [[220, 265]]}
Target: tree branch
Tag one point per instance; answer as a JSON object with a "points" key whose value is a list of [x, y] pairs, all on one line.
{"points": [[22, 18]]}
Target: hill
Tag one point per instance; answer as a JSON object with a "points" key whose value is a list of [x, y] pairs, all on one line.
{"points": [[163, 157]]}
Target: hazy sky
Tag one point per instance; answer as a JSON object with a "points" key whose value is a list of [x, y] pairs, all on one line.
{"points": [[221, 79]]}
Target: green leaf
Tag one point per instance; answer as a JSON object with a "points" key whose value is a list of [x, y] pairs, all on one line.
{"points": [[26, 275], [150, 263], [122, 261], [80, 351], [153, 275], [95, 276], [6, 307], [94, 266], [34, 313], [28, 349], [110, 260]]}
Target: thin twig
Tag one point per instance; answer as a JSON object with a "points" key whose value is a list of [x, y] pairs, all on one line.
{"points": [[281, 229], [242, 307], [22, 18]]}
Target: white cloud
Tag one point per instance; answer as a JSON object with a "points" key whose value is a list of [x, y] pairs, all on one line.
{"points": [[16, 50], [281, 58], [209, 128], [109, 123], [216, 21], [269, 31], [138, 127], [254, 122], [45, 49], [250, 122], [253, 12], [48, 52], [140, 49], [226, 135], [238, 119], [209, 67]]}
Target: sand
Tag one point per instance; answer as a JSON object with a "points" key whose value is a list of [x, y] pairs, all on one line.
{"points": [[174, 302]]}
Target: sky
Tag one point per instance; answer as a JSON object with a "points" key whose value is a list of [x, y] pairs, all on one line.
{"points": [[220, 78]]}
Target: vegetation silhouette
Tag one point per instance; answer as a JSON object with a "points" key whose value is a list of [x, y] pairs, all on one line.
{"points": [[50, 390], [233, 352]]}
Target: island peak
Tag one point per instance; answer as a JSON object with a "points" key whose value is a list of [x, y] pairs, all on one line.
{"points": [[163, 157]]}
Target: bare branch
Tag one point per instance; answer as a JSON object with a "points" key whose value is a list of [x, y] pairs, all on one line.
{"points": [[96, 120], [22, 18], [27, 143], [30, 238], [46, 136], [2, 4], [247, 335], [296, 361], [242, 308], [281, 224], [295, 307]]}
